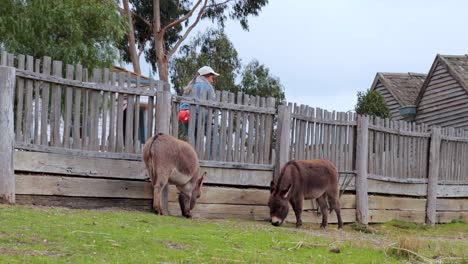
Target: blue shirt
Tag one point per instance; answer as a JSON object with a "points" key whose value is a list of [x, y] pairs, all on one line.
{"points": [[200, 86]]}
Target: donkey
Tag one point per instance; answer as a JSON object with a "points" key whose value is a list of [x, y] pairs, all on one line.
{"points": [[173, 161], [305, 179]]}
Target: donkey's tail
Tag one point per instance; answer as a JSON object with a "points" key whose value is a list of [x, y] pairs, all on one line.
{"points": [[151, 170]]}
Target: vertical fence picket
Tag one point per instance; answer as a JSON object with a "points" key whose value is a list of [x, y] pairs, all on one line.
{"points": [[209, 129], [68, 108], [113, 116], [129, 117], [201, 125], [77, 136], [257, 132], [19, 99], [56, 105], [251, 136], [105, 112], [230, 130], [243, 149], [119, 146], [237, 138], [136, 119], [222, 133], [37, 103]]}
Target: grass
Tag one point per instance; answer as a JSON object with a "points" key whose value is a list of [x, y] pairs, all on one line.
{"points": [[58, 235]]}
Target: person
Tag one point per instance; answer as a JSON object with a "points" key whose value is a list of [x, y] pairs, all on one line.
{"points": [[201, 83]]}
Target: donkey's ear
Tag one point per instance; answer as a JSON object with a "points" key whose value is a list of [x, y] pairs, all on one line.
{"points": [[200, 181], [272, 186], [285, 193]]}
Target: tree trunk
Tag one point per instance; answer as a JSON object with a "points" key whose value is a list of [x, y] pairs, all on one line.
{"points": [[131, 39], [161, 59]]}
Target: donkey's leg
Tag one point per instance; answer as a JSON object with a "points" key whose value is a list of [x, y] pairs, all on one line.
{"points": [[335, 205], [159, 184], [297, 205], [165, 199], [322, 201]]}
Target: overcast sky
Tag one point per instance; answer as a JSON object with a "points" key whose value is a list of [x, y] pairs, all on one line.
{"points": [[325, 51]]}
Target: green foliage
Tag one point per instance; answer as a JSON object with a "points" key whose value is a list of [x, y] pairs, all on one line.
{"points": [[257, 80], [459, 221], [72, 31], [172, 10], [362, 228], [212, 48], [372, 103]]}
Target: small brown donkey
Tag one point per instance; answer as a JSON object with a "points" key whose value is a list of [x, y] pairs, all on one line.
{"points": [[173, 161], [305, 179]]}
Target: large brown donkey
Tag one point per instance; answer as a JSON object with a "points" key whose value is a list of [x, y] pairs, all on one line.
{"points": [[173, 161], [305, 179]]}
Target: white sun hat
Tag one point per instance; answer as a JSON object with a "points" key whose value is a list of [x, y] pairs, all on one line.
{"points": [[207, 70]]}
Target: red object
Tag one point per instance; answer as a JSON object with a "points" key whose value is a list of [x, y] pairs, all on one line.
{"points": [[184, 116]]}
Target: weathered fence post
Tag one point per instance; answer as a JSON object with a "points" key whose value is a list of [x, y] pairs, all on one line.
{"points": [[362, 152], [7, 138], [434, 165], [163, 123], [163, 109], [282, 139]]}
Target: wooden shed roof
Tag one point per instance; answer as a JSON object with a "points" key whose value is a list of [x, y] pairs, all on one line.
{"points": [[404, 87], [457, 66]]}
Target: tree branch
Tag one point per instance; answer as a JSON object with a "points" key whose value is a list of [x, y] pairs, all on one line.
{"points": [[122, 12], [182, 19], [176, 46], [219, 4], [142, 19]]}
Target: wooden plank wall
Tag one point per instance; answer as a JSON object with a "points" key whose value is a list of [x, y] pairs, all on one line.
{"points": [[390, 100], [90, 182], [398, 150], [444, 101], [449, 209], [320, 134], [229, 128], [385, 208]]}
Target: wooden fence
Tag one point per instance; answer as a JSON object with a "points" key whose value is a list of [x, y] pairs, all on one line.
{"points": [[82, 135], [386, 157], [231, 129], [115, 114], [57, 110]]}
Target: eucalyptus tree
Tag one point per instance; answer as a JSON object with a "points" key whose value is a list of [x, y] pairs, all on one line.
{"points": [[160, 27], [211, 48], [73, 31], [214, 48]]}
